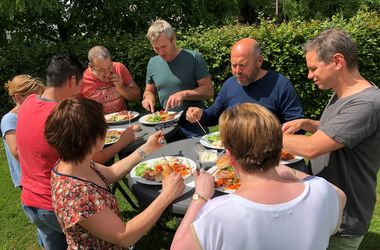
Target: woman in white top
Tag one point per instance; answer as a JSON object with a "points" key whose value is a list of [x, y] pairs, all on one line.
{"points": [[275, 207]]}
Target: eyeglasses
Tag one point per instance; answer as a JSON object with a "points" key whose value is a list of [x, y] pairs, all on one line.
{"points": [[102, 70]]}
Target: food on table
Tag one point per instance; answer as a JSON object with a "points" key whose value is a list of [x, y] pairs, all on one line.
{"points": [[208, 155], [163, 167], [223, 161], [285, 156], [160, 116], [214, 139], [136, 127], [119, 116], [225, 176], [112, 136]]}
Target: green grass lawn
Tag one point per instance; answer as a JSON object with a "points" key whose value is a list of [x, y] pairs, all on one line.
{"points": [[17, 233]]}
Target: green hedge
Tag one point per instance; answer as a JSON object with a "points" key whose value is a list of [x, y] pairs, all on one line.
{"points": [[281, 46]]}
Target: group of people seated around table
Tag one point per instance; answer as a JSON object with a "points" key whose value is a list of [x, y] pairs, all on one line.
{"points": [[54, 141]]}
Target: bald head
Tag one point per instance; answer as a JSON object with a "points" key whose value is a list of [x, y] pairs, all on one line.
{"points": [[246, 61], [247, 46]]}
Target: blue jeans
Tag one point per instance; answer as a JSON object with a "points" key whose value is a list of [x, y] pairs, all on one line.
{"points": [[49, 230]]}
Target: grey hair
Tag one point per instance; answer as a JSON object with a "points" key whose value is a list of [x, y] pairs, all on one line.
{"points": [[159, 27], [332, 41], [257, 49], [98, 52]]}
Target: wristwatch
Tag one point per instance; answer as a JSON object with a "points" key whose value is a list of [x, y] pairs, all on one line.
{"points": [[197, 196]]}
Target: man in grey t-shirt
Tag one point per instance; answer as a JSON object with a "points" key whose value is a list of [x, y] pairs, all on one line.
{"points": [[344, 147], [180, 77]]}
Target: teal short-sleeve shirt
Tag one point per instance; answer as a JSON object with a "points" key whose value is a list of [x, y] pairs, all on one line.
{"points": [[180, 74]]}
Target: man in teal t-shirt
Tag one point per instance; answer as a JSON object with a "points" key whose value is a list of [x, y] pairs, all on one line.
{"points": [[179, 76]]}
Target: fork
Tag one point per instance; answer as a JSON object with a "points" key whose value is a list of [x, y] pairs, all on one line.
{"points": [[200, 125], [221, 152], [200, 166], [163, 156]]}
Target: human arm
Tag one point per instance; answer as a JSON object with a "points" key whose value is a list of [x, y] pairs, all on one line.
{"points": [[10, 138], [194, 114], [109, 152], [124, 84], [307, 125], [211, 115], [311, 146], [289, 102], [130, 93], [342, 204], [149, 97], [290, 173], [184, 238], [114, 230], [119, 169], [204, 91]]}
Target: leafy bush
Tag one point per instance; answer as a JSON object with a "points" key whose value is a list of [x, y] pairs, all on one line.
{"points": [[281, 45]]}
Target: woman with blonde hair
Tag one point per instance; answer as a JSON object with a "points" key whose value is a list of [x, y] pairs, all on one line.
{"points": [[273, 201], [18, 88]]}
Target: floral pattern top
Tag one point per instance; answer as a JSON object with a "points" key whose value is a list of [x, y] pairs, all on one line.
{"points": [[75, 200]]}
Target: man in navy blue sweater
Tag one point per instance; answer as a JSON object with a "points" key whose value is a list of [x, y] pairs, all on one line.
{"points": [[251, 83]]}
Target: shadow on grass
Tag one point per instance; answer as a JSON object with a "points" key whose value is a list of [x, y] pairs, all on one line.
{"points": [[371, 241], [161, 235]]}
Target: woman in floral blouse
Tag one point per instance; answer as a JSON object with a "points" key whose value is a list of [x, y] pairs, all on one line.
{"points": [[85, 207]]}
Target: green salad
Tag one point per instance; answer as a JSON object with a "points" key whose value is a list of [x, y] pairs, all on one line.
{"points": [[214, 137], [154, 118], [141, 168]]}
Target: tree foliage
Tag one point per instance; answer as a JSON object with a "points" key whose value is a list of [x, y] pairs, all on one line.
{"points": [[281, 45], [252, 10], [61, 20]]}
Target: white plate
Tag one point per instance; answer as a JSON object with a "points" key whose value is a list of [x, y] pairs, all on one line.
{"points": [[144, 121], [212, 170], [151, 162], [115, 139], [207, 143], [296, 159], [133, 113]]}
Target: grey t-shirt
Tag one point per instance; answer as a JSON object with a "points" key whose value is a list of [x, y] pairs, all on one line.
{"points": [[353, 121]]}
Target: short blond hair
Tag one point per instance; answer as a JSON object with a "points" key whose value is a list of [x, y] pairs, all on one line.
{"points": [[24, 85], [159, 27], [253, 136]]}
